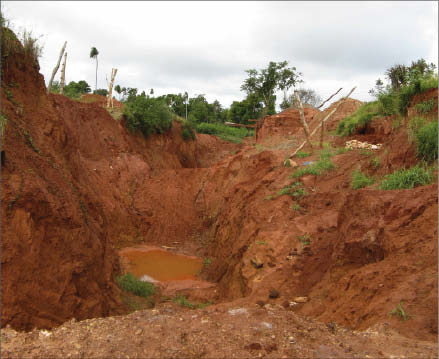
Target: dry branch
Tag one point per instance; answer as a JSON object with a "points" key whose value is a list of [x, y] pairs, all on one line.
{"points": [[324, 120], [302, 119], [63, 75], [330, 97], [110, 88], [56, 68]]}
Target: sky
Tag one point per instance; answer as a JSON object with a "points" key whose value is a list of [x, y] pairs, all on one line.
{"points": [[205, 47]]}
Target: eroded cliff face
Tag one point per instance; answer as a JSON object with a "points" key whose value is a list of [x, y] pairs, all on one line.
{"points": [[76, 184]]}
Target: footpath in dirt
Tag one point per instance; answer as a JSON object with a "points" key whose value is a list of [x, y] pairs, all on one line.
{"points": [[298, 267]]}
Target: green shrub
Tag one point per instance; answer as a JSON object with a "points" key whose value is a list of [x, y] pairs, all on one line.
{"points": [[359, 119], [375, 162], [226, 133], [30, 45], [388, 103], [130, 283], [427, 141], [425, 107], [407, 178], [418, 86], [302, 154], [148, 115], [360, 180], [187, 131], [324, 164]]}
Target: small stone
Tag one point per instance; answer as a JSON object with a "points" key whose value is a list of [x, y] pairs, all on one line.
{"points": [[301, 299], [256, 262], [291, 340], [138, 332], [274, 294], [267, 325]]}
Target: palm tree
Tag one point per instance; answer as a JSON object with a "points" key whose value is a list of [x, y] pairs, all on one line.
{"points": [[94, 55]]}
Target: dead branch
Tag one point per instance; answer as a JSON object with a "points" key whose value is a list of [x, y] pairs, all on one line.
{"points": [[324, 120], [63, 75], [110, 88], [330, 97], [302, 119], [56, 68]]}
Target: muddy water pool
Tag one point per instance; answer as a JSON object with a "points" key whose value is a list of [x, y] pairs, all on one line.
{"points": [[159, 265]]}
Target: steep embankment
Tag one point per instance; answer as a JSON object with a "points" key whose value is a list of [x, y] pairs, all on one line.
{"points": [[75, 183]]}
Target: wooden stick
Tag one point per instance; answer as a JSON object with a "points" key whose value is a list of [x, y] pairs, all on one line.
{"points": [[323, 121], [110, 88], [63, 75], [302, 119], [330, 97], [56, 68]]}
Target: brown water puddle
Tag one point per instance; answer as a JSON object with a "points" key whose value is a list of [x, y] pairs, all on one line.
{"points": [[159, 264]]}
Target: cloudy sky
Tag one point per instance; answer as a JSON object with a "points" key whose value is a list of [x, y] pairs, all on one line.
{"points": [[205, 47]]}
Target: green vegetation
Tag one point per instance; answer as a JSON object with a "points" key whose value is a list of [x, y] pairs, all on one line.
{"points": [[302, 154], [359, 119], [295, 207], [148, 115], [263, 84], [375, 162], [187, 131], [342, 150], [407, 178], [366, 153], [94, 55], [400, 312], [130, 283], [305, 239], [184, 302], [393, 99], [295, 190], [425, 107], [324, 164], [427, 141], [207, 262], [226, 133], [360, 180]]}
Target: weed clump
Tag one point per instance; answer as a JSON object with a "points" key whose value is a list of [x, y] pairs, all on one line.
{"points": [[427, 141], [359, 119], [187, 131], [130, 283], [407, 178], [324, 164], [226, 133], [360, 180], [400, 312]]}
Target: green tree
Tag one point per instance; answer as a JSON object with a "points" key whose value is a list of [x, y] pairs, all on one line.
{"points": [[75, 89], [264, 83], [102, 92], [94, 55], [308, 97], [118, 89]]}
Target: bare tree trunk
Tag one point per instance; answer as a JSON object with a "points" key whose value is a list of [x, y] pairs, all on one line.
{"points": [[96, 83], [110, 88], [322, 132], [323, 121], [335, 93], [302, 119], [56, 68], [63, 75]]}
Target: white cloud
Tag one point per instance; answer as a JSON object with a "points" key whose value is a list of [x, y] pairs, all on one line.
{"points": [[205, 47]]}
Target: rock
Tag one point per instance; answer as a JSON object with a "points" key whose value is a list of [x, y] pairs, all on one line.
{"points": [[301, 299], [256, 262], [267, 325], [237, 311], [274, 294]]}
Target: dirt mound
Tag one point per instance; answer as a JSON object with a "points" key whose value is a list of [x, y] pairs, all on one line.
{"points": [[282, 125], [99, 100], [346, 109]]}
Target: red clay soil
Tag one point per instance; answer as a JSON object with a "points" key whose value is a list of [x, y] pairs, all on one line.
{"points": [[77, 186], [99, 100]]}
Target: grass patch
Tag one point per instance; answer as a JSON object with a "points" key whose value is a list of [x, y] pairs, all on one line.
{"points": [[366, 153], [302, 154], [295, 190], [359, 119], [400, 312], [207, 262], [427, 141], [407, 178], [341, 150], [305, 240], [184, 302], [360, 180], [425, 107], [375, 162], [419, 86], [324, 164], [131, 284], [295, 207], [226, 133]]}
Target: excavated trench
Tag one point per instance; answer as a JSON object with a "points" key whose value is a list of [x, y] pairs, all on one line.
{"points": [[77, 187]]}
